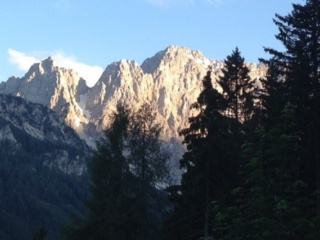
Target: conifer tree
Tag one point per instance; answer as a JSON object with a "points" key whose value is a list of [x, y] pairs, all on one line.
{"points": [[238, 91], [110, 209], [147, 157], [207, 175]]}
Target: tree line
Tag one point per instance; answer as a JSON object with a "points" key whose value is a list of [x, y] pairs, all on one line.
{"points": [[252, 160]]}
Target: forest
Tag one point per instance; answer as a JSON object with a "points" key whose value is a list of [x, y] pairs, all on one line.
{"points": [[251, 169], [33, 196]]}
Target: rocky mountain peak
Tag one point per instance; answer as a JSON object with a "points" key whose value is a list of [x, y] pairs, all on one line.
{"points": [[177, 56], [45, 66], [174, 51]]}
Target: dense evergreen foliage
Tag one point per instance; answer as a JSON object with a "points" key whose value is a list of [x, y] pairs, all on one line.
{"points": [[32, 195], [299, 66]]}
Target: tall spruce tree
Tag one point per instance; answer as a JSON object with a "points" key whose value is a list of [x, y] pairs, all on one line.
{"points": [[238, 91]]}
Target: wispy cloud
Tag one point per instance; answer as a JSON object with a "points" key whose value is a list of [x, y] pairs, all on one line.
{"points": [[21, 60], [24, 61]]}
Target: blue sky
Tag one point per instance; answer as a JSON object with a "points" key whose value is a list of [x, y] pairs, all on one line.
{"points": [[88, 35]]}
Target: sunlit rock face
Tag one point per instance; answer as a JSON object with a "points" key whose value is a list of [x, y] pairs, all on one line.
{"points": [[57, 88], [170, 81]]}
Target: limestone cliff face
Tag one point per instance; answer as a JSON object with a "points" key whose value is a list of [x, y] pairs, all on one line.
{"points": [[177, 74], [170, 81], [121, 82]]}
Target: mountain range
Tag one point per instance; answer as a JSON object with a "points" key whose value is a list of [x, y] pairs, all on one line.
{"points": [[170, 81], [50, 120]]}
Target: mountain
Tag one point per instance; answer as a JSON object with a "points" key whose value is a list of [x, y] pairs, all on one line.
{"points": [[170, 81]]}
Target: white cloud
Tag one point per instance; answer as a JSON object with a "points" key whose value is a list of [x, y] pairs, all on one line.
{"points": [[20, 59], [90, 73], [24, 61]]}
